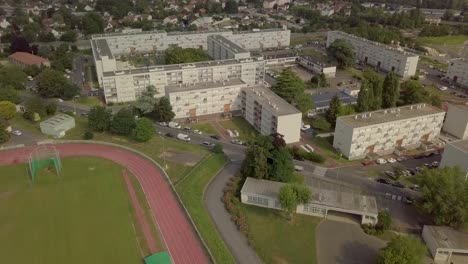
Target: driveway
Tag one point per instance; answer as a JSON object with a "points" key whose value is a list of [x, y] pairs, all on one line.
{"points": [[345, 243]]}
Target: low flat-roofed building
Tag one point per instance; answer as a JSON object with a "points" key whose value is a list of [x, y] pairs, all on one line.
{"points": [[220, 48], [57, 125], [322, 100], [268, 113], [316, 66], [23, 59], [382, 132], [447, 246], [456, 122], [264, 193], [458, 71], [456, 154]]}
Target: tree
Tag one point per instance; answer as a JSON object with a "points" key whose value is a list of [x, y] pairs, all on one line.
{"points": [[163, 110], [391, 90], [146, 102], [257, 155], [32, 70], [99, 119], [46, 37], [144, 130], [444, 196], [292, 195], [69, 36], [384, 220], [178, 55], [291, 88], [123, 122], [51, 83], [319, 80], [333, 110], [51, 108], [402, 250], [282, 167], [342, 51], [7, 109], [412, 92], [218, 149], [70, 90], [4, 134], [365, 98], [231, 7], [12, 76], [8, 93], [35, 109], [375, 82], [278, 141], [92, 23]]}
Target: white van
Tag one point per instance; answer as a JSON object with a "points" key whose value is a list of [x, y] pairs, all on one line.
{"points": [[174, 125], [183, 137]]}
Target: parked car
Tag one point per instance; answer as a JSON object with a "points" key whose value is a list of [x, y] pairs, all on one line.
{"points": [[435, 164], [298, 168], [16, 132], [419, 156], [367, 162], [443, 88], [390, 174], [215, 137], [384, 181], [412, 171], [237, 142], [391, 160], [168, 134], [174, 125], [305, 127], [400, 159], [162, 123], [415, 187], [188, 129], [381, 161], [183, 137], [299, 158], [196, 131], [429, 154], [398, 184], [408, 200], [208, 144]]}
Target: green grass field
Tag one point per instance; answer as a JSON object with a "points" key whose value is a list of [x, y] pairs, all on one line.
{"points": [[246, 131], [445, 40], [84, 217], [277, 240], [206, 128]]}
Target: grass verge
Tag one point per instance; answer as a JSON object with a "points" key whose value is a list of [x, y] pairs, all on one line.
{"points": [[191, 191], [206, 128], [445, 40], [87, 101], [328, 150], [246, 131]]}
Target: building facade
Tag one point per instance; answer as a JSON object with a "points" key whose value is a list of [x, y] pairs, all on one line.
{"points": [[446, 245], [268, 113], [381, 56], [57, 125], [384, 131], [458, 71], [456, 122], [24, 59], [456, 154], [316, 67], [220, 48], [264, 193]]}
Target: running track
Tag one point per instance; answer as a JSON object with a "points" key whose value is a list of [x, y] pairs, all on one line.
{"points": [[180, 238]]}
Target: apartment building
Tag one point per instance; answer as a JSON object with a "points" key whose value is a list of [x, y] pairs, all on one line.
{"points": [[317, 67], [190, 100], [456, 122], [384, 57], [384, 131], [220, 48], [458, 71], [456, 154], [268, 113], [127, 85]]}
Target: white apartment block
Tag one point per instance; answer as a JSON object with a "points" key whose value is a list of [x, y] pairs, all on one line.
{"points": [[268, 113], [456, 122], [458, 71], [456, 154], [316, 67], [384, 57], [127, 85], [220, 48], [205, 98], [384, 131]]}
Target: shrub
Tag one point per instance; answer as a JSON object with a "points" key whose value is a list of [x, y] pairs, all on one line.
{"points": [[88, 135]]}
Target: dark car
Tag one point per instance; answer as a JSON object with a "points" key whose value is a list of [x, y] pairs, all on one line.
{"points": [[409, 200], [367, 162], [384, 181], [215, 137], [168, 134], [429, 154], [419, 156], [412, 171], [415, 188], [398, 184], [299, 158]]}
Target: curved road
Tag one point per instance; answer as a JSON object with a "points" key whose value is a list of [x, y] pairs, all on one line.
{"points": [[181, 240]]}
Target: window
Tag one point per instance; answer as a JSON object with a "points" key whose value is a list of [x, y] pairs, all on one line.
{"points": [[312, 209], [277, 204], [257, 200]]}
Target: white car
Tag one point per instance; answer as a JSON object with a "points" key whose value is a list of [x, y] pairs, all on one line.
{"points": [[16, 132], [381, 161], [305, 127], [60, 100], [443, 88], [391, 160], [196, 131], [237, 142], [162, 123], [30, 78], [67, 71]]}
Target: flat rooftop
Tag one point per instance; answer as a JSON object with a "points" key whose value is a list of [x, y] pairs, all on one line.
{"points": [[447, 237], [332, 196], [322, 100], [101, 48], [200, 86], [316, 61], [228, 44], [460, 144], [377, 44], [174, 67], [389, 115], [265, 96]]}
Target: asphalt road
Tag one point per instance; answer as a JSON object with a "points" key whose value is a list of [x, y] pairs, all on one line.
{"points": [[63, 106]]}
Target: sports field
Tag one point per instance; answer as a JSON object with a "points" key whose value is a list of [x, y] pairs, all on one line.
{"points": [[83, 217]]}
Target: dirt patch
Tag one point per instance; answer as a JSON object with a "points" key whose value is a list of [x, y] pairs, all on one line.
{"points": [[186, 158]]}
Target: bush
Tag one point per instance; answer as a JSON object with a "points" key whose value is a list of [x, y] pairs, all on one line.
{"points": [[297, 153], [321, 124], [218, 148], [88, 135]]}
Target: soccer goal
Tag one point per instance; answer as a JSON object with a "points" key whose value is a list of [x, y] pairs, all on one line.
{"points": [[43, 157]]}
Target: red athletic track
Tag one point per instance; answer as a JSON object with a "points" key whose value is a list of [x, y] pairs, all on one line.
{"points": [[180, 239]]}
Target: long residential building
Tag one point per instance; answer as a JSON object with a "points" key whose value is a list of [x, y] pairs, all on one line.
{"points": [[456, 154], [220, 48], [268, 113], [384, 131], [384, 57], [324, 201], [456, 122], [458, 71]]}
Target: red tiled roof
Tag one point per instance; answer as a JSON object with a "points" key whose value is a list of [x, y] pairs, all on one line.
{"points": [[27, 58]]}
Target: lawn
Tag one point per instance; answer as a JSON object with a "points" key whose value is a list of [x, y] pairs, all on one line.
{"points": [[297, 38], [277, 240], [328, 150], [445, 40], [83, 217], [355, 72], [206, 128], [191, 190], [313, 53], [429, 61], [246, 131], [87, 101]]}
